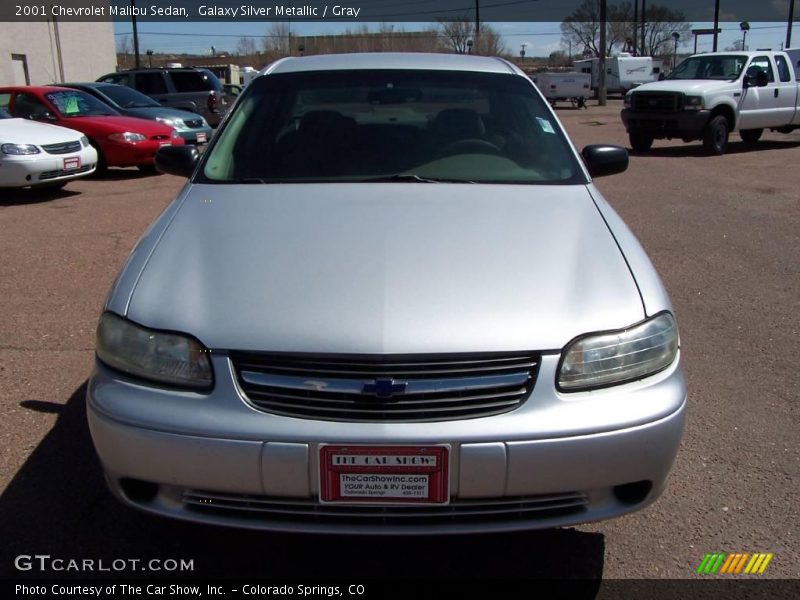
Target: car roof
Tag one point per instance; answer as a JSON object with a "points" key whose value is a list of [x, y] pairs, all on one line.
{"points": [[40, 89], [392, 60]]}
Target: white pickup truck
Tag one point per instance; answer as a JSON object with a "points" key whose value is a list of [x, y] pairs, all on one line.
{"points": [[709, 95]]}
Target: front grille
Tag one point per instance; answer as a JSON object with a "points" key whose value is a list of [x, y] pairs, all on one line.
{"points": [[656, 101], [64, 148], [309, 511], [193, 123], [62, 173], [386, 388]]}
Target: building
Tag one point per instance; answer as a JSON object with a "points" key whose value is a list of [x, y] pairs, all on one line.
{"points": [[37, 53]]}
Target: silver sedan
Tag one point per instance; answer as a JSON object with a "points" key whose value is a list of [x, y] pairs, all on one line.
{"points": [[388, 300]]}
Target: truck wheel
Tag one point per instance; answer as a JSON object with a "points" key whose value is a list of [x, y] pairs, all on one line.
{"points": [[641, 142], [750, 136], [715, 136]]}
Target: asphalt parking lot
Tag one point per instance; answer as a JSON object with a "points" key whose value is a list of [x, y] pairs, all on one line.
{"points": [[723, 232]]}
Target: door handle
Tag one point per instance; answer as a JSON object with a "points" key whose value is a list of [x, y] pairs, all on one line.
{"points": [[777, 91]]}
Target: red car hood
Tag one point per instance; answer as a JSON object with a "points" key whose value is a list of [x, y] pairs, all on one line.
{"points": [[116, 124]]}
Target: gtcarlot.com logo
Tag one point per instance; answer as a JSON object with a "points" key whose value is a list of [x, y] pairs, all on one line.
{"points": [[45, 562], [734, 563]]}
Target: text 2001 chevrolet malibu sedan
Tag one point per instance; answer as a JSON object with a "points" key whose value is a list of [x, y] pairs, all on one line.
{"points": [[388, 300]]}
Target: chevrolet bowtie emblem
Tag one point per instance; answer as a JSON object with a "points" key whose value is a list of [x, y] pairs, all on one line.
{"points": [[384, 388]]}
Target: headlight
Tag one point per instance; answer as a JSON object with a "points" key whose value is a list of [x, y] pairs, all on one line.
{"points": [[169, 358], [84, 141], [174, 134], [628, 99], [604, 359], [692, 103], [127, 137], [177, 123], [19, 149]]}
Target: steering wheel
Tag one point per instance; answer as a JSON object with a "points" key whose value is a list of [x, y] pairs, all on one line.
{"points": [[469, 146]]}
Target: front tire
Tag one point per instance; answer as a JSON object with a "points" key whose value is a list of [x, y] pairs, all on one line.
{"points": [[641, 142], [715, 136], [751, 136], [102, 165]]}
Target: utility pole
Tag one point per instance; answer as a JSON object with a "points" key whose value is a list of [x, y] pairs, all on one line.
{"points": [[601, 80], [477, 18], [635, 24], [716, 23], [644, 20], [136, 59], [789, 25]]}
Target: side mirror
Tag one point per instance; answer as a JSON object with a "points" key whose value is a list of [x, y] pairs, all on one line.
{"points": [[661, 76], [177, 160], [605, 160], [759, 79]]}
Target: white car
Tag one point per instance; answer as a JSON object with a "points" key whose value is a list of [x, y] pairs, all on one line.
{"points": [[41, 155]]}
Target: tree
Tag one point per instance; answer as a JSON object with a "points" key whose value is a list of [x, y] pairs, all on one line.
{"points": [[457, 33], [489, 42], [279, 39], [246, 46], [124, 45], [582, 28], [736, 46], [558, 58]]}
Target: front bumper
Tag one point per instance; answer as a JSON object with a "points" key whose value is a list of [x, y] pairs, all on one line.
{"points": [[43, 169], [554, 461], [687, 125], [120, 154], [190, 135]]}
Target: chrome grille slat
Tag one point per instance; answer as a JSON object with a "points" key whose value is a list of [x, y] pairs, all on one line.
{"points": [[304, 509], [62, 172], [413, 389], [62, 148]]}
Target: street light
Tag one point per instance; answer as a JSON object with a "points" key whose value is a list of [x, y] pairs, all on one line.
{"points": [[675, 36], [149, 59], [469, 46], [522, 47], [745, 27]]}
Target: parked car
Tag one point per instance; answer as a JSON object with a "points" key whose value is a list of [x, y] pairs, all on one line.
{"points": [[707, 96], [388, 300], [195, 90], [126, 101], [119, 141], [40, 155]]}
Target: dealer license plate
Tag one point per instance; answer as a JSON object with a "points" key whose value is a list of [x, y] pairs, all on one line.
{"points": [[201, 138], [384, 474], [72, 163]]}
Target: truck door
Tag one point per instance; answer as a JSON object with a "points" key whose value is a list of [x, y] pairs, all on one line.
{"points": [[787, 91], [760, 105]]}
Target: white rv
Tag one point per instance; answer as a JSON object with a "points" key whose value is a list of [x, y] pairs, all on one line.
{"points": [[623, 72], [794, 56]]}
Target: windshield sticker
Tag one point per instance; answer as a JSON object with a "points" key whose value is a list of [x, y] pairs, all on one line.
{"points": [[71, 105], [545, 125]]}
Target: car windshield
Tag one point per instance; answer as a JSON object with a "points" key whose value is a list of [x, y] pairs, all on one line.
{"points": [[78, 104], [126, 97], [723, 67], [391, 125]]}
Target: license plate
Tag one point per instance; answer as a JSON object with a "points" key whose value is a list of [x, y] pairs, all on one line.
{"points": [[384, 474], [165, 143], [201, 138], [72, 163]]}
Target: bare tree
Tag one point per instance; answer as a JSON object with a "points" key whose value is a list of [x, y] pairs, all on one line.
{"points": [[279, 39], [489, 42], [457, 33], [582, 27], [736, 46], [246, 46], [124, 45]]}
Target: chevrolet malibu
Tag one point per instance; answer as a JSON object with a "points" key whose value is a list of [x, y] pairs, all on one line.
{"points": [[389, 299]]}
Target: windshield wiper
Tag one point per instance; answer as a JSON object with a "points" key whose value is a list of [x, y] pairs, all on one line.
{"points": [[410, 178], [250, 180]]}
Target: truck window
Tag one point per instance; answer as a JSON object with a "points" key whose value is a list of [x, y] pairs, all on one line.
{"points": [[151, 83], [784, 72], [761, 63]]}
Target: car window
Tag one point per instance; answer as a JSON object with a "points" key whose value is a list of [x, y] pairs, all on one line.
{"points": [[127, 97], [190, 81], [784, 72], [5, 99], [28, 106], [78, 104], [372, 125], [121, 79], [761, 63], [151, 83], [722, 67]]}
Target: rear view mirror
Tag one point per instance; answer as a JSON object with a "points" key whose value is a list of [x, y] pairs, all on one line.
{"points": [[177, 160], [605, 160]]}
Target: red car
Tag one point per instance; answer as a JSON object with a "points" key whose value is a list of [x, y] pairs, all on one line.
{"points": [[119, 141]]}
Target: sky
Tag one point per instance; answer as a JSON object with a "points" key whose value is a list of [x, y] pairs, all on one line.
{"points": [[540, 38]]}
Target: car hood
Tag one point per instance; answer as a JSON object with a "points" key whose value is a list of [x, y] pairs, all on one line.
{"points": [[386, 268], [25, 131], [151, 112], [118, 124], [687, 86]]}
